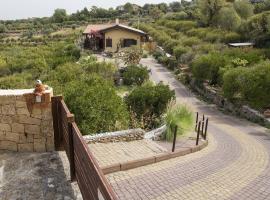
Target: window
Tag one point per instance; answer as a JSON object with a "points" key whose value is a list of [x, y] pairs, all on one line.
{"points": [[129, 42], [108, 42]]}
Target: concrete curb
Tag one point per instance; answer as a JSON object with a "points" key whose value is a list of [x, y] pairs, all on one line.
{"points": [[153, 159]]}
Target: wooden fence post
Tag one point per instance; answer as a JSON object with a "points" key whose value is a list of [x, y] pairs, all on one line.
{"points": [[174, 138], [70, 118], [197, 117], [205, 131], [202, 125], [56, 121], [198, 134]]}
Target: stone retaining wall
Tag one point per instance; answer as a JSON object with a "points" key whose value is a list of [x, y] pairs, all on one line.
{"points": [[156, 133], [242, 111], [118, 136], [25, 126]]}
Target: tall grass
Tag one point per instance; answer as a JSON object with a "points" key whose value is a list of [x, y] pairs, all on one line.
{"points": [[178, 115]]}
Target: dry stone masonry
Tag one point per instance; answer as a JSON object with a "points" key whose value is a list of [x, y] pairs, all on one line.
{"points": [[118, 136], [26, 125]]}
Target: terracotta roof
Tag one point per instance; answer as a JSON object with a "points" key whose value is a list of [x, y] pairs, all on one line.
{"points": [[96, 27], [106, 27]]}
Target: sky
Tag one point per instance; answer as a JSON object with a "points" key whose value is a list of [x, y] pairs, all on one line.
{"points": [[22, 9]]}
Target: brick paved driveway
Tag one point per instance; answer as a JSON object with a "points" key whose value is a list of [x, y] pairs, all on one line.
{"points": [[234, 166]]}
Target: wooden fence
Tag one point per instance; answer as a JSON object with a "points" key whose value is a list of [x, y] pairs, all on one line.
{"points": [[83, 166]]}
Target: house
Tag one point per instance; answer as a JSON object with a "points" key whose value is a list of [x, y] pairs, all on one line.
{"points": [[112, 37]]}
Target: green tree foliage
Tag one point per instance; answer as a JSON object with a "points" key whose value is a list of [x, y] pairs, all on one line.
{"points": [[228, 19], [132, 55], [135, 75], [209, 10], [96, 105], [244, 8], [90, 65], [3, 28], [148, 103], [207, 67], [257, 28], [251, 85], [59, 16]]}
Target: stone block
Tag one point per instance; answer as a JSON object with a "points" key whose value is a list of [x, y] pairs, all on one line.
{"points": [[32, 129], [137, 163], [111, 168], [5, 127], [50, 144], [23, 111], [8, 145], [24, 119], [17, 128], [6, 119], [46, 126], [20, 98], [26, 138], [7, 100], [8, 109], [21, 104], [47, 113], [26, 147], [14, 137], [36, 113], [39, 145], [2, 135]]}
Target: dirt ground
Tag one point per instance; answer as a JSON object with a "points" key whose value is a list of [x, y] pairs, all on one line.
{"points": [[32, 176]]}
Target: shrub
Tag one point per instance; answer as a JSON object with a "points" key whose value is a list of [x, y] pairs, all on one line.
{"points": [[96, 105], [228, 19], [178, 51], [191, 41], [252, 84], [180, 116], [90, 65], [132, 55], [149, 102], [256, 85], [172, 63], [207, 67], [135, 75], [177, 16], [232, 83], [251, 55], [231, 37]]}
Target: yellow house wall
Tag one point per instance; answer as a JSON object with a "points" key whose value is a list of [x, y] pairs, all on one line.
{"points": [[117, 34]]}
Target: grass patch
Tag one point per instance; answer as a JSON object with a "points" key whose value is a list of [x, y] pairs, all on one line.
{"points": [[178, 115]]}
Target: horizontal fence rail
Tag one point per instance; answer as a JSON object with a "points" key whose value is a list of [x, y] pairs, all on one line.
{"points": [[83, 166]]}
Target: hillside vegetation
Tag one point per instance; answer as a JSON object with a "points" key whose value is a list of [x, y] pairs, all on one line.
{"points": [[198, 35]]}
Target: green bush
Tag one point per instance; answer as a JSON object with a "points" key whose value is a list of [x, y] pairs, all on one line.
{"points": [[135, 75], [191, 41], [228, 19], [207, 68], [251, 55], [96, 105], [148, 103], [251, 84], [232, 83], [178, 51], [172, 63]]}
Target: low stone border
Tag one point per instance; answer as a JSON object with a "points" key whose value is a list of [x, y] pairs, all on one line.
{"points": [[117, 136], [156, 133], [242, 111], [151, 160]]}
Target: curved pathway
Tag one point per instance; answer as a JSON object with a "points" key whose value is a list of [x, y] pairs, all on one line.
{"points": [[235, 165]]}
